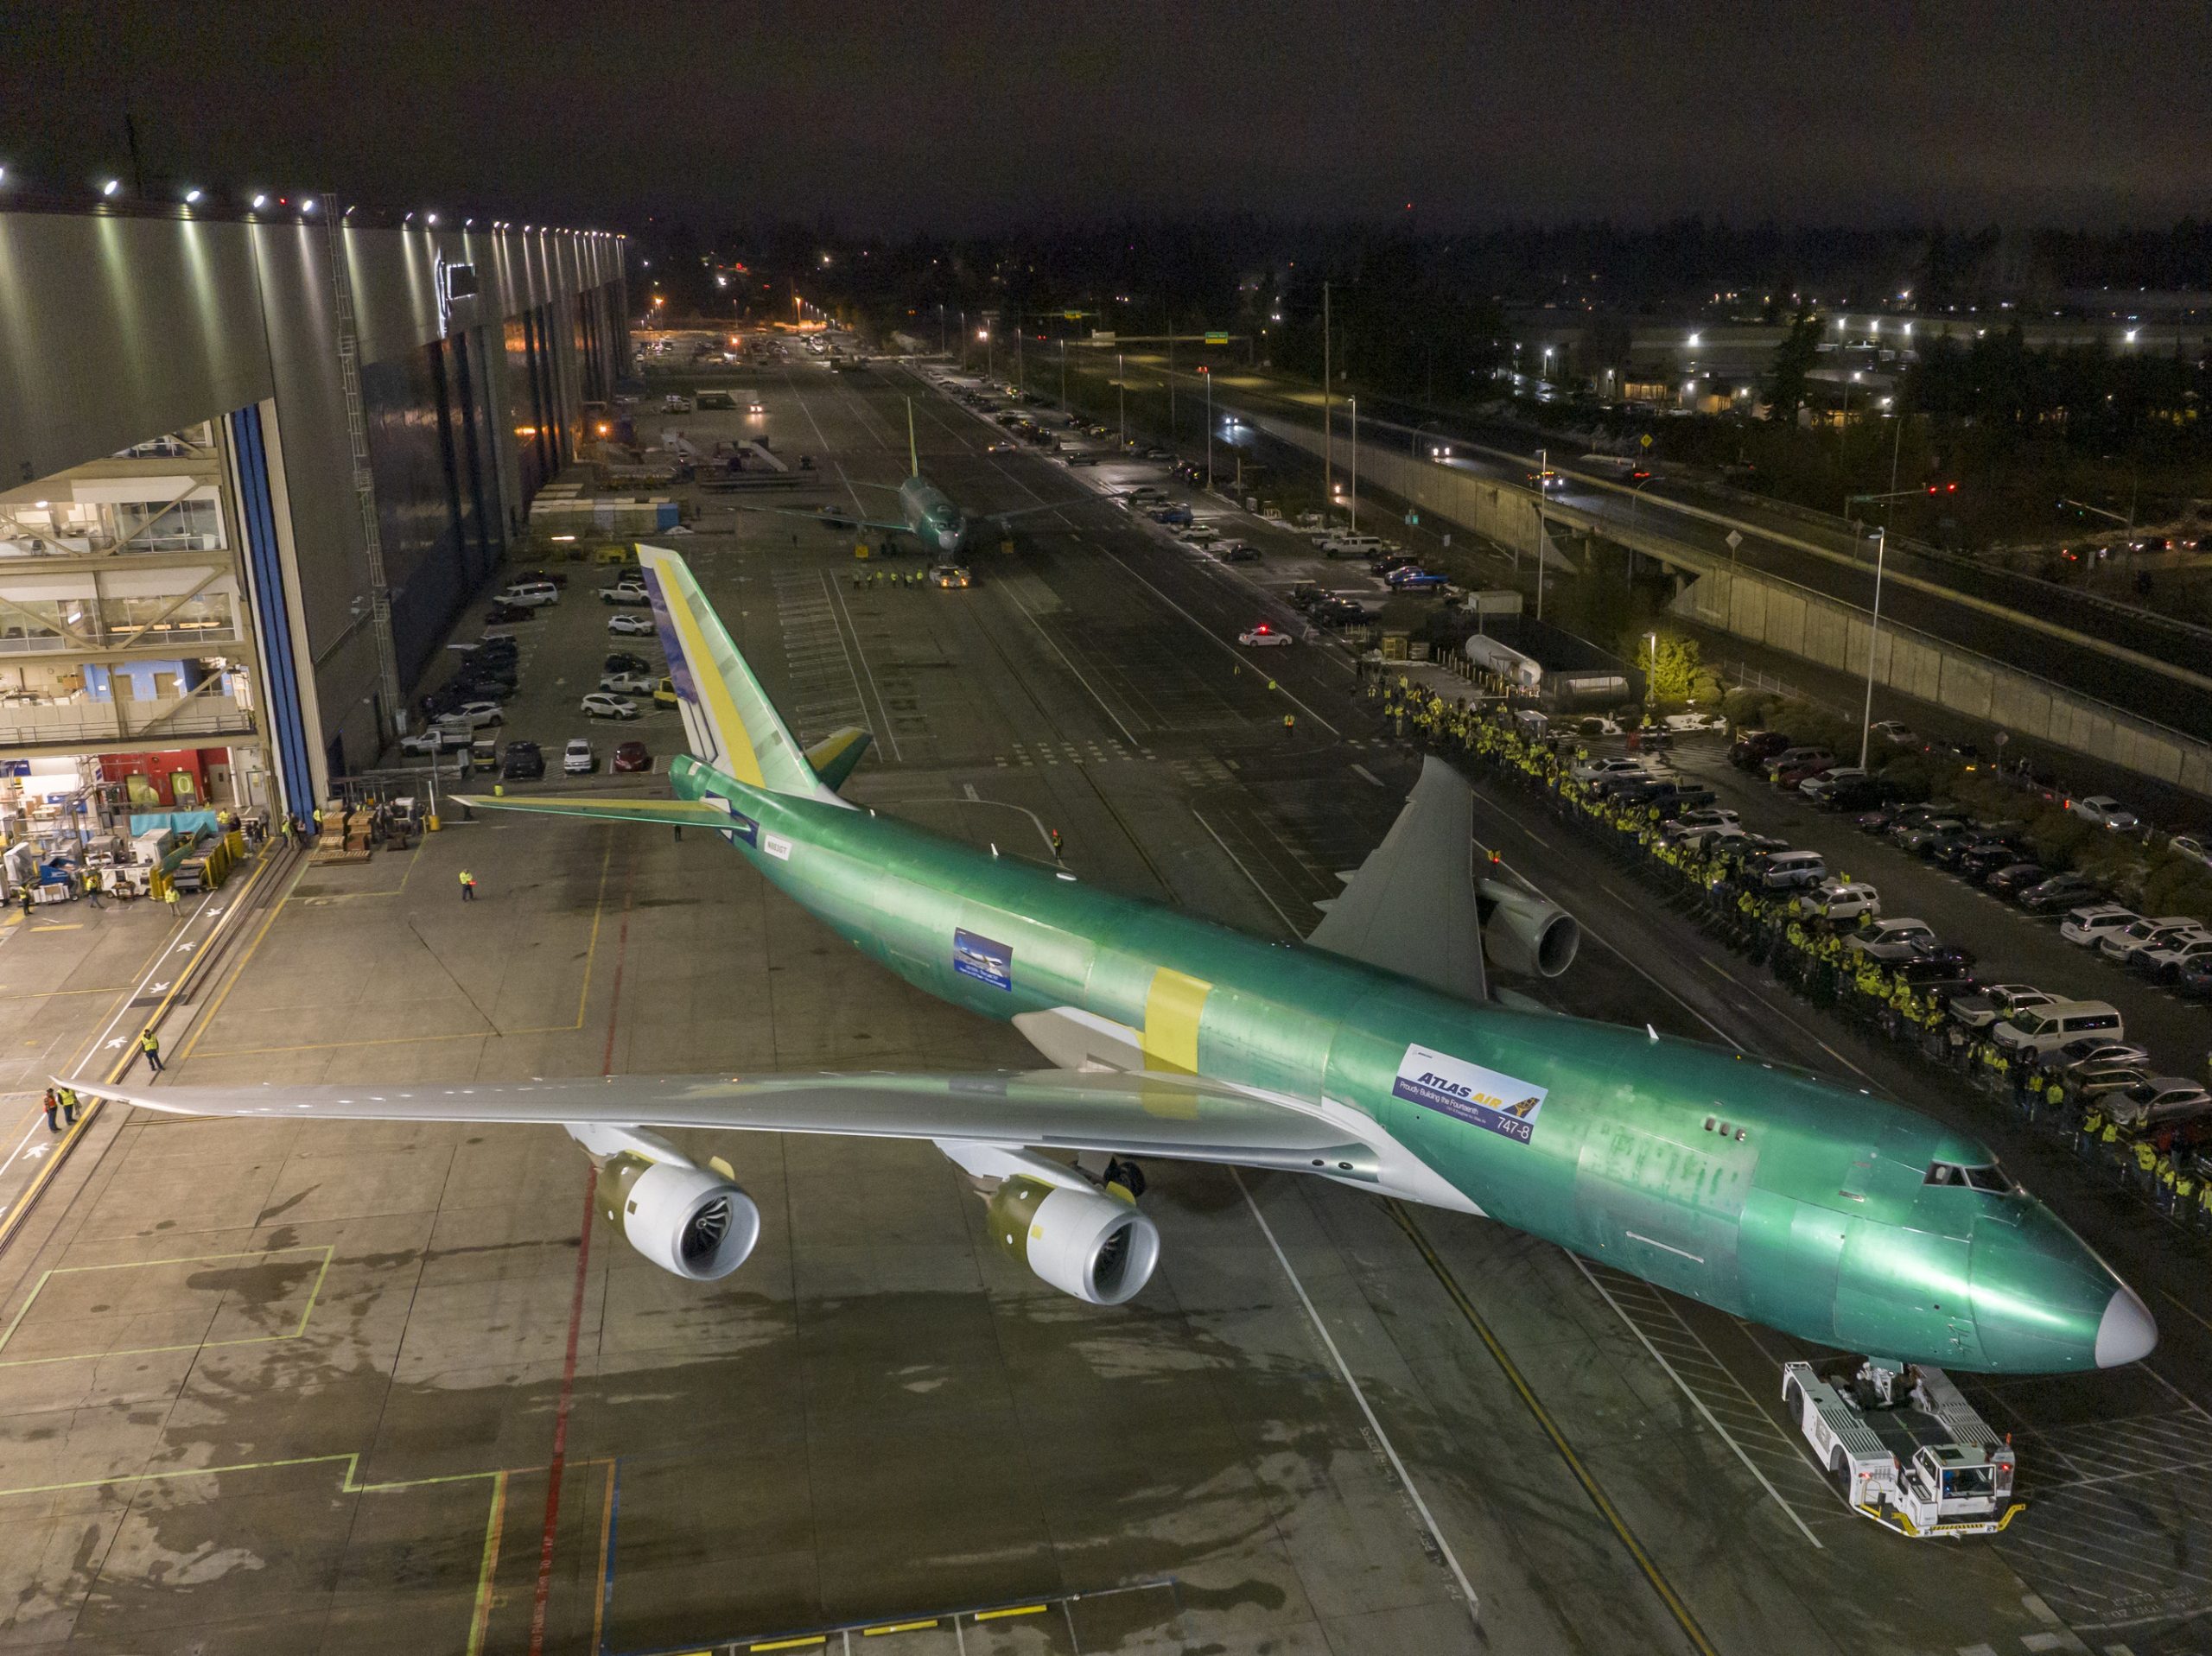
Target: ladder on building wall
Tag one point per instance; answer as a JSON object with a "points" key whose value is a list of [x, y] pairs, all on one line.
{"points": [[365, 486]]}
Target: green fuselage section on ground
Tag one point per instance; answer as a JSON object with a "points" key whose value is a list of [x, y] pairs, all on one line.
{"points": [[1764, 1192]]}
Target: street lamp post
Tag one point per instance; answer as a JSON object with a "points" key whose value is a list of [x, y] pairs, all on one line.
{"points": [[1353, 500], [1873, 634], [1651, 678], [1543, 469], [1208, 371], [1122, 395], [1064, 373]]}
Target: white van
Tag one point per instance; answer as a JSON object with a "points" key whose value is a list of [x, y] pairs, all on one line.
{"points": [[529, 594], [1351, 546], [2045, 1029]]}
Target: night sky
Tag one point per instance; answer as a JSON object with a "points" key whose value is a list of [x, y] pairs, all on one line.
{"points": [[895, 117]]}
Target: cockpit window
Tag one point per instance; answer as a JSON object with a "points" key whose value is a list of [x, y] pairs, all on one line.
{"points": [[1989, 1176]]}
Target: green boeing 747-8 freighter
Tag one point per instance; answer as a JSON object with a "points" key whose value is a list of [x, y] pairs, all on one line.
{"points": [[1371, 1056]]}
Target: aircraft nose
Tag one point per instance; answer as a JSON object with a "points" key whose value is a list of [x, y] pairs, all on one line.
{"points": [[2125, 1333]]}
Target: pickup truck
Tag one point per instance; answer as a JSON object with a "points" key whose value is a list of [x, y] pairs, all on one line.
{"points": [[1413, 579]]}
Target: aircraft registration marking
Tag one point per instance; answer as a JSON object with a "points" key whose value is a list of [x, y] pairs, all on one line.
{"points": [[1468, 1092]]}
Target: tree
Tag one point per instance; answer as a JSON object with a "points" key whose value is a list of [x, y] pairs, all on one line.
{"points": [[1672, 669], [1793, 366]]}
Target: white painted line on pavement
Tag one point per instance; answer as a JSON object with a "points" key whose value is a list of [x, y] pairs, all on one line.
{"points": [[1359, 1395]]}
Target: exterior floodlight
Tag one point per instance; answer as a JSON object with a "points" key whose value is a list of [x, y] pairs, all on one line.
{"points": [[430, 218], [308, 205], [113, 187], [259, 201], [191, 198]]}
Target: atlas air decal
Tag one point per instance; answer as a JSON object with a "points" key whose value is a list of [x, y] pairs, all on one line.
{"points": [[1467, 1092]]}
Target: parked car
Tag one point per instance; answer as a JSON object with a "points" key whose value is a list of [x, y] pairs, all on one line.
{"points": [[504, 614], [2105, 812], [577, 760], [625, 592], [1260, 635], [630, 627], [1893, 940], [1895, 733], [2090, 923], [2093, 1082], [1786, 871], [622, 660], [2045, 1029], [2157, 1102], [1804, 760], [1841, 899], [1083, 457], [438, 739], [2195, 980], [2121, 944], [2185, 845], [631, 757], [1692, 821], [1414, 580], [521, 763], [1591, 769], [2166, 962], [479, 712], [1236, 552], [600, 705], [2060, 892], [2087, 1051], [1753, 748], [2014, 878], [1922, 838], [1946, 972], [628, 683], [1994, 1000], [1818, 786], [1199, 534], [1983, 857], [530, 594], [556, 577]]}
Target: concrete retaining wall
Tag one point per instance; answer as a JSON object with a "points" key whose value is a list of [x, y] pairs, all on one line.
{"points": [[1805, 624], [1835, 635]]}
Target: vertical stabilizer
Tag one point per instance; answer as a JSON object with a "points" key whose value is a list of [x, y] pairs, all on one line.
{"points": [[728, 721], [913, 453]]}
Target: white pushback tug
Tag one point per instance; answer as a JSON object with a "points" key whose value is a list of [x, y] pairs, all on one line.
{"points": [[1903, 1448]]}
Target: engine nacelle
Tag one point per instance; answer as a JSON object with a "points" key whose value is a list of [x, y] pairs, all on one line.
{"points": [[1524, 932], [685, 1220], [1083, 1242]]}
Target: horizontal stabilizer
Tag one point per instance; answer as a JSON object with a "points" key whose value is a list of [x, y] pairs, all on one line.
{"points": [[834, 757], [1411, 907], [679, 813], [1180, 1117]]}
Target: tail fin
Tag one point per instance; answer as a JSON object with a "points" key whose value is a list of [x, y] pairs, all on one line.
{"points": [[913, 453], [727, 718]]}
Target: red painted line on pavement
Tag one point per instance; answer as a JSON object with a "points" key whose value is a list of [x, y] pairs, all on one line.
{"points": [[559, 1465]]}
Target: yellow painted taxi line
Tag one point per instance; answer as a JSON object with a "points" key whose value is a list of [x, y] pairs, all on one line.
{"points": [[1019, 1609], [792, 1644], [899, 1626]]}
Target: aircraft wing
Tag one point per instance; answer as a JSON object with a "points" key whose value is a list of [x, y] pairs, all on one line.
{"points": [[830, 519], [1177, 1117], [1049, 505], [1411, 907]]}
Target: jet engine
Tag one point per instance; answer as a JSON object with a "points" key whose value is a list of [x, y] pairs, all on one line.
{"points": [[686, 1219], [1525, 931], [1086, 1243]]}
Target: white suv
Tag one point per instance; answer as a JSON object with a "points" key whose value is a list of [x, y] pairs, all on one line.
{"points": [[2092, 923]]}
